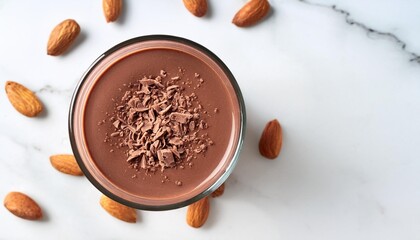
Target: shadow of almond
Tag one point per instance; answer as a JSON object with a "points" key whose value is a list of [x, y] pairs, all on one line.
{"points": [[44, 113], [45, 215], [210, 11], [125, 10], [79, 40]]}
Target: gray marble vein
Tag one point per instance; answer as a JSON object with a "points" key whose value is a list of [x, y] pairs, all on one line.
{"points": [[51, 89], [414, 57]]}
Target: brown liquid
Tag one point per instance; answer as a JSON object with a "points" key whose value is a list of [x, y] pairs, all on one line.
{"points": [[214, 93]]}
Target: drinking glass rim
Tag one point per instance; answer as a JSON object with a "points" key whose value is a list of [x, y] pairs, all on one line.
{"points": [[241, 130]]}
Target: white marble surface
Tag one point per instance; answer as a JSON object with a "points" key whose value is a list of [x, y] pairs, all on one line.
{"points": [[348, 100]]}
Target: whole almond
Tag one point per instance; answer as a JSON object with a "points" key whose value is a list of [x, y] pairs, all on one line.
{"points": [[271, 140], [219, 192], [66, 163], [118, 210], [62, 36], [198, 212], [112, 9], [23, 99], [22, 206], [251, 13], [197, 7]]}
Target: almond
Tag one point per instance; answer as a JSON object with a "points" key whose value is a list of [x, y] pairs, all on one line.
{"points": [[251, 13], [118, 210], [112, 9], [271, 140], [197, 7], [198, 212], [62, 36], [66, 163], [219, 192], [22, 206], [23, 99]]}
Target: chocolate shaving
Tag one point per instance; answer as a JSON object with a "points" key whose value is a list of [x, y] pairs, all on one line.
{"points": [[165, 157], [192, 126], [141, 109], [165, 110], [159, 124], [135, 154], [163, 73], [146, 127], [159, 134], [143, 164], [176, 141], [114, 134], [175, 152], [172, 87], [181, 117], [151, 115], [148, 82], [116, 123]]}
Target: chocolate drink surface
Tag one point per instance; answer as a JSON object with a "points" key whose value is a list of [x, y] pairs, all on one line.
{"points": [[157, 124]]}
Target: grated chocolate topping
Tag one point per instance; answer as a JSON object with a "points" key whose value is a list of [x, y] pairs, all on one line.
{"points": [[159, 125]]}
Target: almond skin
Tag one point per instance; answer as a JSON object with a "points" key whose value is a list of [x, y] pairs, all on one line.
{"points": [[23, 99], [271, 140], [22, 206], [198, 212], [112, 9], [251, 13], [219, 192], [197, 7], [62, 36], [118, 210], [66, 163]]}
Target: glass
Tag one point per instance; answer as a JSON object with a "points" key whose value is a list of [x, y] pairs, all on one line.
{"points": [[86, 84]]}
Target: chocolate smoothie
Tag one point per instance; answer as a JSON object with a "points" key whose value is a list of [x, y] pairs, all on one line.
{"points": [[160, 123]]}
